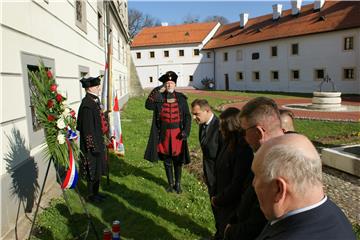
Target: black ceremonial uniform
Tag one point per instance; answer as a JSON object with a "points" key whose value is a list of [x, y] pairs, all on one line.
{"points": [[92, 126]]}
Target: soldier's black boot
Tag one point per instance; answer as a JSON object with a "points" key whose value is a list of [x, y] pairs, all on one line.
{"points": [[177, 187], [170, 176]]}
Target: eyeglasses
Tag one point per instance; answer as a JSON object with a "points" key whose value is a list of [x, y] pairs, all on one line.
{"points": [[243, 131]]}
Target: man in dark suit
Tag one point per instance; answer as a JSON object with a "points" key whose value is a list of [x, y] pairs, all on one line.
{"points": [[260, 121], [210, 140], [288, 183], [92, 126]]}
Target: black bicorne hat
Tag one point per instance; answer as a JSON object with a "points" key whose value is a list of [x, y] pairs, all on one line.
{"points": [[168, 76], [90, 82]]}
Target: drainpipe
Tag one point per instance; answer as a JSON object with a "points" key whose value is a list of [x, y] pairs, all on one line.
{"points": [[214, 69]]}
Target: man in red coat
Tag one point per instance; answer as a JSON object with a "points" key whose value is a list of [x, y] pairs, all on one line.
{"points": [[170, 129]]}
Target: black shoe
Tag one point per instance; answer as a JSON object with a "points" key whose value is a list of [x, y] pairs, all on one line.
{"points": [[170, 188], [101, 196], [177, 188]]}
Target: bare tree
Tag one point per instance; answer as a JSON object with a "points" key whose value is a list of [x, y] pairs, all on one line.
{"points": [[191, 19], [137, 21], [220, 19]]}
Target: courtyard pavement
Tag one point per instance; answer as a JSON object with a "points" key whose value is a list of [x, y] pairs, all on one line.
{"points": [[239, 101]]}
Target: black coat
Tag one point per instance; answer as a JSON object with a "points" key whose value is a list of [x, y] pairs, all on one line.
{"points": [[154, 103], [248, 221], [210, 146], [326, 221], [233, 167], [92, 146]]}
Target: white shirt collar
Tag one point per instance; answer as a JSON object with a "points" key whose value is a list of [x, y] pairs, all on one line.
{"points": [[208, 122], [300, 210]]}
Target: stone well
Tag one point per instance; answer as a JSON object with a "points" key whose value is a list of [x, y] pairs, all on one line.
{"points": [[326, 101]]}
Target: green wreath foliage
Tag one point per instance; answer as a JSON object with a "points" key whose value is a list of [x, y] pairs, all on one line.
{"points": [[54, 115]]}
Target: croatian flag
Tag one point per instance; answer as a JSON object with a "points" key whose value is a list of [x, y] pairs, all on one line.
{"points": [[71, 175], [116, 129]]}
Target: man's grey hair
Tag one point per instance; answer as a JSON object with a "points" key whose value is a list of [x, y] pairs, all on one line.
{"points": [[292, 164]]}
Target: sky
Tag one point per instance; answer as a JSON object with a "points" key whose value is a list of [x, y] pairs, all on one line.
{"points": [[175, 12]]}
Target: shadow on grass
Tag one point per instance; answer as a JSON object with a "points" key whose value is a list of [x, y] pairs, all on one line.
{"points": [[147, 204], [76, 225], [121, 168]]}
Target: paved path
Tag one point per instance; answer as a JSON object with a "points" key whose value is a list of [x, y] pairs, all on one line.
{"points": [[239, 101]]}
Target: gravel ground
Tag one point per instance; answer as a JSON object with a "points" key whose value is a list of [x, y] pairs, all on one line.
{"points": [[344, 190], [341, 187]]}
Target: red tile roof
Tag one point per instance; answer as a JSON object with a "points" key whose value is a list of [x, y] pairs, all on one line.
{"points": [[333, 16], [168, 35]]}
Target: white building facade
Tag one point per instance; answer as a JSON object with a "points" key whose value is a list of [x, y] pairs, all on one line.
{"points": [[70, 38], [318, 56], [185, 59], [291, 51]]}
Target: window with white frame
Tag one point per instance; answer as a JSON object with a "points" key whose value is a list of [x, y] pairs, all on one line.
{"points": [[275, 75], [181, 52], [239, 55], [152, 54], [349, 73], [319, 74], [348, 43], [166, 53], [295, 49], [256, 76], [151, 79], [239, 76], [30, 63], [295, 75], [274, 51], [225, 56], [80, 14], [196, 52], [191, 78], [138, 55]]}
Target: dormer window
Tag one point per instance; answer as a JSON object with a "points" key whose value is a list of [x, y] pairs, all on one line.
{"points": [[187, 34], [154, 36]]}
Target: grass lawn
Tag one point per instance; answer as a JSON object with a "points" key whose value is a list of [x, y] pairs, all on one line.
{"points": [[136, 193]]}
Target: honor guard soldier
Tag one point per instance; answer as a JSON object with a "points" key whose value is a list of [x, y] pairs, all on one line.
{"points": [[169, 130], [92, 126]]}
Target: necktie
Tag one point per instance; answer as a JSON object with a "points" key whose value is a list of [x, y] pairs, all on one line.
{"points": [[203, 132]]}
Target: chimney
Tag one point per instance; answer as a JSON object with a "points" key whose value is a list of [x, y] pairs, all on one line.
{"points": [[277, 9], [318, 4], [164, 24], [295, 7], [244, 17]]}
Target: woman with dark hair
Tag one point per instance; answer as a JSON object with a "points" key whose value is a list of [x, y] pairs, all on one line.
{"points": [[233, 165]]}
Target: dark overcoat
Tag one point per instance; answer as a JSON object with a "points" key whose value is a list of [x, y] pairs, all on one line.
{"points": [[233, 167], [154, 103], [92, 146], [210, 146]]}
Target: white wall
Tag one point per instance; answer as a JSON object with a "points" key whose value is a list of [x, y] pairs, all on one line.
{"points": [[46, 30], [323, 50], [198, 66]]}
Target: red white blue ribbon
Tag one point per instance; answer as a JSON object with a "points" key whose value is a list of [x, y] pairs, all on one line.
{"points": [[71, 175]]}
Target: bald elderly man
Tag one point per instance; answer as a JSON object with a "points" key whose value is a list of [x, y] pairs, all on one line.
{"points": [[288, 183], [287, 121]]}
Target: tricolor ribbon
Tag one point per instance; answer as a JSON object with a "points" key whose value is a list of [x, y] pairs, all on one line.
{"points": [[71, 175]]}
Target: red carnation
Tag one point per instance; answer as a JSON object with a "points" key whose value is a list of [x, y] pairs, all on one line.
{"points": [[49, 74], [50, 118], [50, 103], [72, 113], [53, 87], [59, 98]]}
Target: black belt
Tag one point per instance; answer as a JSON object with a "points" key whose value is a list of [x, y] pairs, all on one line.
{"points": [[170, 125]]}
